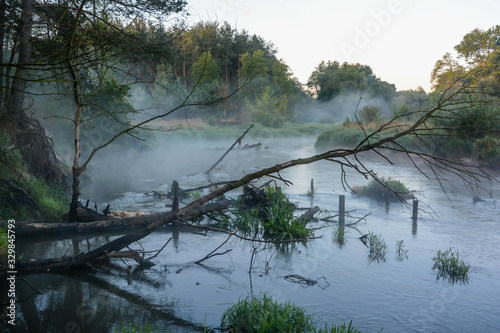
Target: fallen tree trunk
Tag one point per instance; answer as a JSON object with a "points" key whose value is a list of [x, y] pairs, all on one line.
{"points": [[114, 224]]}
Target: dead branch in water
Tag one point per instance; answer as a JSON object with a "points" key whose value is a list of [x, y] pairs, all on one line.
{"points": [[230, 148]]}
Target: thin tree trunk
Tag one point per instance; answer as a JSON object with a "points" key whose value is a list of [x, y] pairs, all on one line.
{"points": [[3, 80], [16, 102], [76, 170]]}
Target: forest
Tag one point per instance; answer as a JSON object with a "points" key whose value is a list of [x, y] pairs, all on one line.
{"points": [[83, 80]]}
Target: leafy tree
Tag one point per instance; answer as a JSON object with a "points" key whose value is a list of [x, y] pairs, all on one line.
{"points": [[478, 45], [332, 79], [446, 72], [206, 69], [269, 110], [253, 65]]}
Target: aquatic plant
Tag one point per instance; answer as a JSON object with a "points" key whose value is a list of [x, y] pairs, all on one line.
{"points": [[401, 252], [263, 314], [378, 247], [273, 216], [450, 267], [383, 190], [280, 221]]}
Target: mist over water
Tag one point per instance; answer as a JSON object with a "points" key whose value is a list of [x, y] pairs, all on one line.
{"points": [[340, 107], [399, 296]]}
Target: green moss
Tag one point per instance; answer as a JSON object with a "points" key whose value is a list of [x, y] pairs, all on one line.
{"points": [[52, 200], [3, 246]]}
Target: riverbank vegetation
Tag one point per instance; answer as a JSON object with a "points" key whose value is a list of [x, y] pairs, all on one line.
{"points": [[264, 314], [386, 190]]}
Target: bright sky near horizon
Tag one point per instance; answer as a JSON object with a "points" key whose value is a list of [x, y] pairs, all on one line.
{"points": [[401, 40]]}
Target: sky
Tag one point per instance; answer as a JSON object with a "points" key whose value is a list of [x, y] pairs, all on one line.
{"points": [[401, 40]]}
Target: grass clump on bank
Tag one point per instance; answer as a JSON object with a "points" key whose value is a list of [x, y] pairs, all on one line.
{"points": [[450, 267], [263, 314], [388, 190], [23, 196]]}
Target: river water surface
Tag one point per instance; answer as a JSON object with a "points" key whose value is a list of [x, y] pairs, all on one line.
{"points": [[394, 295]]}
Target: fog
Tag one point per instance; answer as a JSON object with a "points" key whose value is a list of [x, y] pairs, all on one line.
{"points": [[339, 107]]}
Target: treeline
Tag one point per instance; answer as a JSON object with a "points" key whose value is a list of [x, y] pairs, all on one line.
{"points": [[211, 60], [469, 129]]}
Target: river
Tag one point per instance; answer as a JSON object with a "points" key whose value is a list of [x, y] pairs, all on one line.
{"points": [[394, 295]]}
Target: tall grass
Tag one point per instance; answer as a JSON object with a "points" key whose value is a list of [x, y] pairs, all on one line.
{"points": [[450, 267], [263, 315], [378, 247], [274, 220], [280, 221]]}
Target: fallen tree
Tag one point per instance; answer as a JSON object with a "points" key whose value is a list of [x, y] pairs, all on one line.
{"points": [[346, 158]]}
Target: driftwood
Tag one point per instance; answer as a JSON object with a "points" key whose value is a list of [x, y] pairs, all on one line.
{"points": [[309, 215], [230, 148]]}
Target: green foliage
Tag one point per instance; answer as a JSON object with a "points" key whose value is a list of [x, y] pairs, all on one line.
{"points": [[469, 131], [370, 114], [280, 222], [340, 136], [253, 65], [52, 200], [4, 246], [450, 267], [487, 149], [274, 218], [378, 247], [269, 110], [383, 190], [332, 79], [478, 44], [265, 315], [206, 69]]}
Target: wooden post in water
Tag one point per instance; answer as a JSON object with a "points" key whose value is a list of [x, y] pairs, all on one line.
{"points": [[415, 210], [312, 186], [175, 196], [341, 216], [414, 217]]}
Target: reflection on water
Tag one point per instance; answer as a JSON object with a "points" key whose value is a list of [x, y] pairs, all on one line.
{"points": [[397, 295]]}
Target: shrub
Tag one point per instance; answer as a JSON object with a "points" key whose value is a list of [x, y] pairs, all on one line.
{"points": [[340, 136], [383, 190], [487, 149], [370, 114]]}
